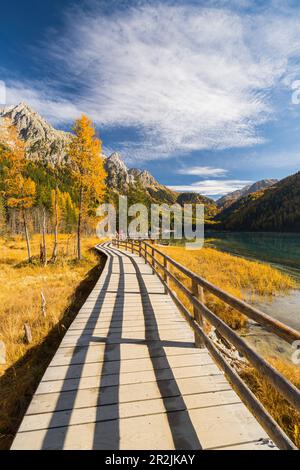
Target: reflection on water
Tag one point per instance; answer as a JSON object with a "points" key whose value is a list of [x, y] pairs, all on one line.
{"points": [[281, 249], [285, 308], [267, 344]]}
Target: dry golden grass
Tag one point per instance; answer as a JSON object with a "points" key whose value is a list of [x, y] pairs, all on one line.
{"points": [[20, 302], [237, 276], [286, 416]]}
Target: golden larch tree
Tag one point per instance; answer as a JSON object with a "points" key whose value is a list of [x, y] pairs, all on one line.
{"points": [[56, 217], [19, 190], [21, 193], [87, 169]]}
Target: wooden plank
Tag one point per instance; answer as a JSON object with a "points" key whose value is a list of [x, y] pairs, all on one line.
{"points": [[91, 397], [280, 329], [126, 410], [133, 365], [108, 380], [127, 435], [136, 332], [94, 353]]}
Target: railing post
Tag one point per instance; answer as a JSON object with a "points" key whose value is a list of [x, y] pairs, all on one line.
{"points": [[140, 248], [165, 275], [152, 260], [198, 293]]}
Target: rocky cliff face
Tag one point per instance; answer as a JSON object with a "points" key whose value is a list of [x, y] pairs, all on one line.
{"points": [[230, 198], [45, 143], [42, 140], [144, 177], [120, 178]]}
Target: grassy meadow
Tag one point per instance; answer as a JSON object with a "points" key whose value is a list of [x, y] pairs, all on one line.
{"points": [[65, 286], [240, 277]]}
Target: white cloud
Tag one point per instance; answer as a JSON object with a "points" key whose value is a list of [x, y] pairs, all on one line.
{"points": [[202, 171], [212, 187], [188, 78], [43, 100], [2, 93]]}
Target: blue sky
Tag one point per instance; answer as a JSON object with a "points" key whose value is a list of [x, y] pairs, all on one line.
{"points": [[203, 94]]}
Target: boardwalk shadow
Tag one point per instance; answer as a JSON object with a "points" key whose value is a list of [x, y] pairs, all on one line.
{"points": [[106, 433], [53, 439], [181, 426]]}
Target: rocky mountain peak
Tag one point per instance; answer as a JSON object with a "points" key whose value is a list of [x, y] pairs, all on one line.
{"points": [[115, 160], [42, 140], [118, 176], [47, 144], [144, 177]]}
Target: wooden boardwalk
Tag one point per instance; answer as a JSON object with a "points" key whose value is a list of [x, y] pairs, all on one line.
{"points": [[127, 375]]}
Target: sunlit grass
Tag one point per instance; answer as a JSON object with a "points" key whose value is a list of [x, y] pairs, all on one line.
{"points": [[286, 416], [242, 278]]}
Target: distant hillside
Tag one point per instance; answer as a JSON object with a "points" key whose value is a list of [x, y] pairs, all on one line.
{"points": [[276, 208], [230, 198], [193, 198]]}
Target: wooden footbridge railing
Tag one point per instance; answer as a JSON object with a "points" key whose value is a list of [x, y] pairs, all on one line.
{"points": [[161, 264]]}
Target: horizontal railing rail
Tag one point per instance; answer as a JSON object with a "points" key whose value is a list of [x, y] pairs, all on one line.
{"points": [[200, 311]]}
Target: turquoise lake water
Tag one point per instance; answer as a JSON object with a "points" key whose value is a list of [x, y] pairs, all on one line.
{"points": [[281, 251]]}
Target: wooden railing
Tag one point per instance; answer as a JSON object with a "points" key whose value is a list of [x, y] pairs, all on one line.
{"points": [[200, 311]]}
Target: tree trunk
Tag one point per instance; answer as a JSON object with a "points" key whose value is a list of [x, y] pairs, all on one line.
{"points": [[26, 236], [44, 260], [54, 253], [79, 227]]}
